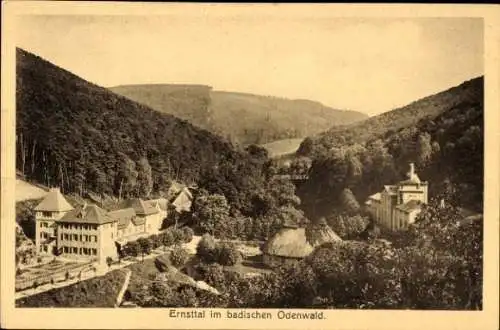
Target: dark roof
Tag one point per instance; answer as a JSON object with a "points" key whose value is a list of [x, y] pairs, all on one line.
{"points": [[87, 214], [409, 206], [123, 217], [140, 207], [54, 201]]}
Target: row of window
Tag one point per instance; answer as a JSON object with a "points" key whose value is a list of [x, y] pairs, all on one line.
{"points": [[78, 238], [78, 226], [80, 251], [44, 224]]}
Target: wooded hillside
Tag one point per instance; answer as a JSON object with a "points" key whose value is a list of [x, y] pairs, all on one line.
{"points": [[82, 137], [442, 134]]}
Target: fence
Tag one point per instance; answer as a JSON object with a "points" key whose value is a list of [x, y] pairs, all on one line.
{"points": [[73, 270]]}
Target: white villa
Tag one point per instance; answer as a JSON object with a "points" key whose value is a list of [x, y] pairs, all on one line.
{"points": [[397, 206]]}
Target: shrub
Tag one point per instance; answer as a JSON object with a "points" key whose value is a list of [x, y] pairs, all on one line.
{"points": [[145, 245], [188, 234], [179, 257], [155, 241], [207, 249], [109, 261], [228, 254], [178, 235], [214, 275], [132, 249], [167, 238]]}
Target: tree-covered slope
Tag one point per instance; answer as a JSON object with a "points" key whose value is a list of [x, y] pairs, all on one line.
{"points": [[391, 121], [188, 102], [442, 134], [260, 119], [79, 136]]}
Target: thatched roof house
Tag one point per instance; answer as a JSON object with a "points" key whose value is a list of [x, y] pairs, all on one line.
{"points": [[292, 243]]}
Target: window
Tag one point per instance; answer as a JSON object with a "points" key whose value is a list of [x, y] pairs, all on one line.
{"points": [[65, 249], [45, 248], [47, 214], [94, 251], [75, 250], [75, 237]]}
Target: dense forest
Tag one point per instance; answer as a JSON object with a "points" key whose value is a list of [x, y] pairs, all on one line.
{"points": [[188, 102], [261, 119], [442, 134], [81, 137]]}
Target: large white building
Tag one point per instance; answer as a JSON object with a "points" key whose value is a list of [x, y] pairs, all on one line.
{"points": [[90, 232], [397, 206]]}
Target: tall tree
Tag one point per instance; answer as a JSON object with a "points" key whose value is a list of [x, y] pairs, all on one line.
{"points": [[144, 178]]}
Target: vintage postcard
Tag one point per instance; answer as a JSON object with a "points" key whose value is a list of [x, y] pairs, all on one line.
{"points": [[249, 166]]}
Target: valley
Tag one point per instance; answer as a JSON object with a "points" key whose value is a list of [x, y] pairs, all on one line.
{"points": [[157, 188]]}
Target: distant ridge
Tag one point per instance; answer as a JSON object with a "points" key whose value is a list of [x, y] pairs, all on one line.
{"points": [[261, 119]]}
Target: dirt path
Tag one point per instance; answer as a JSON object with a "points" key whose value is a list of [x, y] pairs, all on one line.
{"points": [[119, 298]]}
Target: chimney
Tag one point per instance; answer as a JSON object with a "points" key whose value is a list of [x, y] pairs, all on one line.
{"points": [[412, 170]]}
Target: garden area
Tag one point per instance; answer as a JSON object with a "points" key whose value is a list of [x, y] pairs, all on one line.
{"points": [[95, 292]]}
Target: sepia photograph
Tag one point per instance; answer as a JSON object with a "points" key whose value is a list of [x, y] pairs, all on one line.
{"points": [[248, 161]]}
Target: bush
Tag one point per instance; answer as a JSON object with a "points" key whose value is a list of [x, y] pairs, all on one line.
{"points": [[228, 254], [178, 235], [145, 245], [167, 238], [179, 257], [188, 234], [155, 241], [207, 249], [214, 275]]}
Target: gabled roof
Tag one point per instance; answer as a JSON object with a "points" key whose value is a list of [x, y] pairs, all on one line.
{"points": [[123, 217], [141, 207], [321, 233], [54, 201], [409, 206], [87, 214], [183, 200], [391, 190]]}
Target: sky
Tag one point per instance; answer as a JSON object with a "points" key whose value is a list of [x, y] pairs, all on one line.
{"points": [[370, 65]]}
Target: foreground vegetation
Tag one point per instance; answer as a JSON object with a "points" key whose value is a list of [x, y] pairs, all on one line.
{"points": [[95, 292], [437, 264]]}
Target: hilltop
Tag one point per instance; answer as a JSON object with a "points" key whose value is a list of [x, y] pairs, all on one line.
{"points": [[260, 119]]}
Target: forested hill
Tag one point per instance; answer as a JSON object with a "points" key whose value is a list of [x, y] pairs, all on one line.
{"points": [[261, 119], [392, 121], [188, 102], [79, 136], [442, 134]]}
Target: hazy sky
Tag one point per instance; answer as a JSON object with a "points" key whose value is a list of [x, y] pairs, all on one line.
{"points": [[369, 65]]}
